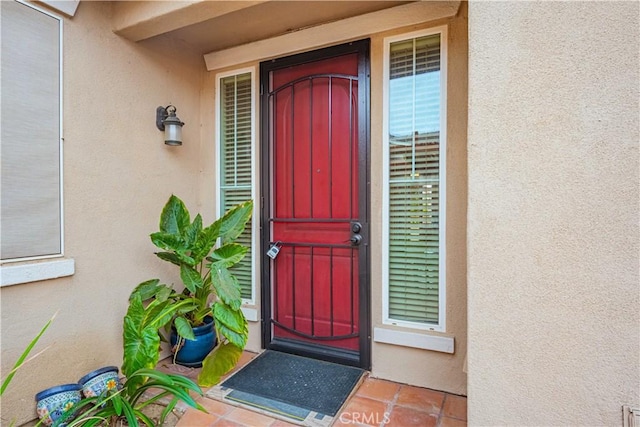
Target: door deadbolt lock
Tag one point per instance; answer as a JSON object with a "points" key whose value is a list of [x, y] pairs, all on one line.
{"points": [[355, 238]]}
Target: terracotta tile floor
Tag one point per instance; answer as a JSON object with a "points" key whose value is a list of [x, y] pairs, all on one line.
{"points": [[375, 403]]}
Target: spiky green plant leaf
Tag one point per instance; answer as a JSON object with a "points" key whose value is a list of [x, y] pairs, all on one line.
{"points": [[145, 419], [117, 406], [130, 413], [24, 355], [167, 410]]}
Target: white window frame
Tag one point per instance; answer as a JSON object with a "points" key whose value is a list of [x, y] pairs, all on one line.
{"points": [[442, 289], [60, 143], [255, 228]]}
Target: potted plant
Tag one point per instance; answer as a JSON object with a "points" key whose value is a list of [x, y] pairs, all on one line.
{"points": [[204, 256], [126, 406]]}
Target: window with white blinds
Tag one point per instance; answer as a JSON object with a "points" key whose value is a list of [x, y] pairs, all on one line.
{"points": [[235, 160], [414, 156], [31, 183]]}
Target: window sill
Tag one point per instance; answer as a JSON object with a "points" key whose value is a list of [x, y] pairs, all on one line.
{"points": [[35, 272], [250, 313], [439, 343]]}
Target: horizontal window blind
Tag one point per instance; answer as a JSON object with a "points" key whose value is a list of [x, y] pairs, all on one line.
{"points": [[235, 160], [414, 180], [31, 222]]}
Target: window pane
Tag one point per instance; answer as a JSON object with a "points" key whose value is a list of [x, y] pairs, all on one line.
{"points": [[30, 87], [414, 179], [235, 160]]}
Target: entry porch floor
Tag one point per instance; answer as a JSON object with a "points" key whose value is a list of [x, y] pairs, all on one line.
{"points": [[374, 402]]}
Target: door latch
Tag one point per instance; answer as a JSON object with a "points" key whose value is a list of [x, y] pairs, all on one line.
{"points": [[356, 237], [274, 250]]}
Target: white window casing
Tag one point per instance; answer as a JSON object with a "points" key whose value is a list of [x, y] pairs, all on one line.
{"points": [[414, 184], [32, 203], [236, 162], [32, 218]]}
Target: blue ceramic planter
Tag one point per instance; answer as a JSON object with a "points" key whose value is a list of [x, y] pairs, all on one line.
{"points": [[193, 352], [101, 380], [53, 402]]}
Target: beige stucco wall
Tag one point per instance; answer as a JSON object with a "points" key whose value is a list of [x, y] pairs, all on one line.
{"points": [[117, 175], [554, 315]]}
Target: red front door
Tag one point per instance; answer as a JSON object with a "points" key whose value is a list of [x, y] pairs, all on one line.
{"points": [[313, 214]]}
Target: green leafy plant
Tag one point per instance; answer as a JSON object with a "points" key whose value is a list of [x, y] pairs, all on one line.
{"points": [[129, 403], [142, 324], [22, 360], [210, 289]]}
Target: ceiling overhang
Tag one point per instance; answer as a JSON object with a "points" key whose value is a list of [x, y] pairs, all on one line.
{"points": [[232, 32], [353, 28], [140, 20]]}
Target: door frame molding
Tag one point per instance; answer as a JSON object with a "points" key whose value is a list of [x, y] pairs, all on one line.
{"points": [[362, 48]]}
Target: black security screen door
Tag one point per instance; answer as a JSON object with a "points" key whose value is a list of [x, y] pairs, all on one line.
{"points": [[316, 206]]}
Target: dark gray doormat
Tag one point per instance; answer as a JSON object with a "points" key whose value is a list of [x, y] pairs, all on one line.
{"points": [[298, 389]]}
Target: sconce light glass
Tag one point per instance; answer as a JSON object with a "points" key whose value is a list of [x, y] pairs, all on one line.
{"points": [[167, 121]]}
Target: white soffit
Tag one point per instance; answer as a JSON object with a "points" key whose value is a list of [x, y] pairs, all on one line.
{"points": [[68, 7], [333, 32]]}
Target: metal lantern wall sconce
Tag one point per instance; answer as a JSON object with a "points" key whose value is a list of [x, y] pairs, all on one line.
{"points": [[167, 121]]}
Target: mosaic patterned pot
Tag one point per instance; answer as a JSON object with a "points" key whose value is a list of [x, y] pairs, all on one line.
{"points": [[97, 382], [193, 352], [53, 402]]}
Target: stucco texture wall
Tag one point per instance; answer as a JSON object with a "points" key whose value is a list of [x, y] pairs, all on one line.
{"points": [[553, 212], [117, 176]]}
